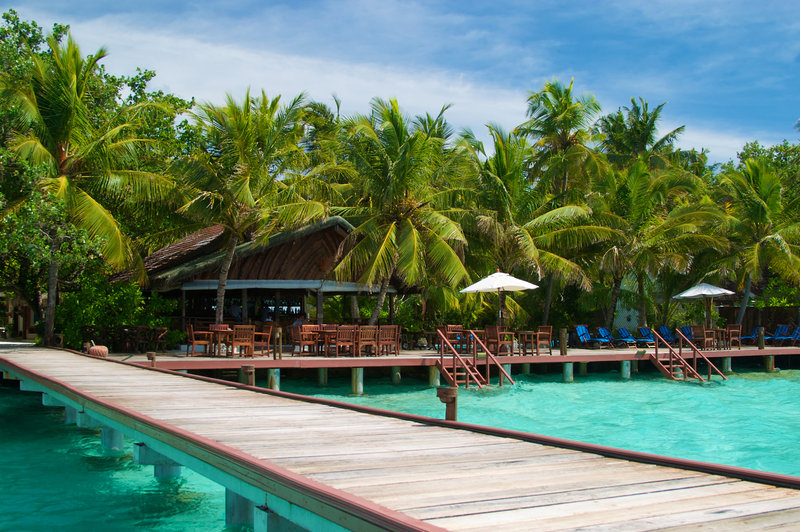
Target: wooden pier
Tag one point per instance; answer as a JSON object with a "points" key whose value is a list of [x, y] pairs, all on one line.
{"points": [[323, 464]]}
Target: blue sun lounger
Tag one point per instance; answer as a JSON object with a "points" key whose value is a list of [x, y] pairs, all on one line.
{"points": [[666, 334], [626, 335], [586, 339]]}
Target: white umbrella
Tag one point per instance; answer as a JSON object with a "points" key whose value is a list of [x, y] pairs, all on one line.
{"points": [[499, 282], [706, 292]]}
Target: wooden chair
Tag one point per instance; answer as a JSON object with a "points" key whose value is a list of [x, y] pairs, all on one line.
{"points": [[367, 337], [389, 340], [195, 338], [243, 338], [709, 339], [220, 336], [500, 340], [544, 338], [733, 335], [346, 339], [262, 341], [303, 338]]}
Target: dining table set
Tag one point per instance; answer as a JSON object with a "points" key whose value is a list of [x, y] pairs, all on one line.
{"points": [[498, 340]]}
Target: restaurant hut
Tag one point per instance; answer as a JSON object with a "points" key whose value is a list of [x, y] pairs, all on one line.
{"points": [[266, 282]]}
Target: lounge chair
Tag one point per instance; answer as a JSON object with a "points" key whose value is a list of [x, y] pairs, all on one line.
{"points": [[606, 334], [647, 335], [626, 336], [785, 338], [587, 340], [687, 332], [667, 335], [753, 336], [781, 333]]}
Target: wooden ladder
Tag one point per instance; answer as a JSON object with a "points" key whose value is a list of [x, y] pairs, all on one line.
{"points": [[456, 369]]}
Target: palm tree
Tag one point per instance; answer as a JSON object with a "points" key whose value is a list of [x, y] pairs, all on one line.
{"points": [[632, 134], [521, 228], [81, 160], [239, 179], [658, 230], [764, 231], [404, 225]]}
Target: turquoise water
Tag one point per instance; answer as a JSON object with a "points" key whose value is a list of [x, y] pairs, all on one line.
{"points": [[751, 420], [56, 477]]}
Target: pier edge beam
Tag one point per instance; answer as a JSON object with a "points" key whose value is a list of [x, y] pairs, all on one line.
{"points": [[163, 467], [357, 381], [274, 379], [625, 369], [396, 376], [567, 371], [238, 510], [322, 376], [434, 377]]}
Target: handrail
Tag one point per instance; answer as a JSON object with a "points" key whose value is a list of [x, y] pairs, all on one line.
{"points": [[489, 356], [470, 371], [685, 366], [695, 352]]}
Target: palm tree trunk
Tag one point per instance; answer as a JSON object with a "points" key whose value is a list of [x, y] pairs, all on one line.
{"points": [[613, 304], [376, 313], [223, 276], [52, 296], [548, 299], [355, 312], [642, 302], [748, 282]]}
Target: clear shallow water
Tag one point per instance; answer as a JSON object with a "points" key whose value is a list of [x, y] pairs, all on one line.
{"points": [[752, 420], [56, 477]]}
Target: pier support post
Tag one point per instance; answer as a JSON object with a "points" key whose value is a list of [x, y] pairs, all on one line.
{"points": [[238, 510], [70, 415], [567, 371], [111, 439], [322, 376], [151, 356], [357, 381], [434, 377], [48, 400], [396, 377], [247, 375], [726, 365], [506, 367], [274, 379], [625, 369], [583, 368], [636, 366], [562, 341], [769, 363], [449, 396], [163, 467], [526, 368]]}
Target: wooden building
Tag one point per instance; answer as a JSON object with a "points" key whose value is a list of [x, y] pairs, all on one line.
{"points": [[268, 282]]}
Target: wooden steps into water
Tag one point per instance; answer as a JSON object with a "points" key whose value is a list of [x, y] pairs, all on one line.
{"points": [[438, 476]]}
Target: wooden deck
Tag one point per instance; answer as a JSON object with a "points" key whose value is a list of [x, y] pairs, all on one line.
{"points": [[364, 470]]}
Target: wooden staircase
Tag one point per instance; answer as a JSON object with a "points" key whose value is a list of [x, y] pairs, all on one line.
{"points": [[674, 366], [460, 370]]}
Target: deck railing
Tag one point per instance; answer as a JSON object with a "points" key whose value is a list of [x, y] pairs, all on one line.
{"points": [[696, 353], [475, 341]]}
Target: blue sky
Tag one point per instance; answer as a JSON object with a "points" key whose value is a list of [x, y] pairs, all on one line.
{"points": [[728, 70]]}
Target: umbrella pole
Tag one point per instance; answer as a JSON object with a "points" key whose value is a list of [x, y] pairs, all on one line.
{"points": [[707, 301], [500, 308]]}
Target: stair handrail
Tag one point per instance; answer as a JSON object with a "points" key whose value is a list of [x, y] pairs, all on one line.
{"points": [[695, 352], [489, 356], [457, 361], [685, 366]]}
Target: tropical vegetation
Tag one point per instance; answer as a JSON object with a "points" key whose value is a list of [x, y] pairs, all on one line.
{"points": [[604, 211]]}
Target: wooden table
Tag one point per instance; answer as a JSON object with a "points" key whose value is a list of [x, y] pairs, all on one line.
{"points": [[218, 337]]}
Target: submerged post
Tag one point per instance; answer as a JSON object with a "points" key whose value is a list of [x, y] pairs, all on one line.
{"points": [[247, 375], [163, 467], [434, 377], [396, 377], [111, 439], [583, 368], [567, 371], [625, 369], [322, 376], [449, 396], [238, 510], [726, 365], [526, 368], [357, 381], [769, 363], [274, 379]]}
